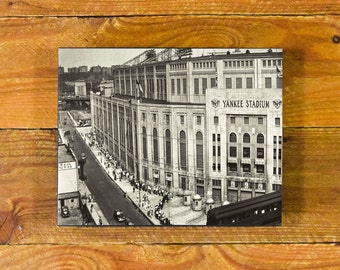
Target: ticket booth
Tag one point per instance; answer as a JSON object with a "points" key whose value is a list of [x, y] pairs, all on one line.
{"points": [[209, 204], [197, 203], [187, 198]]}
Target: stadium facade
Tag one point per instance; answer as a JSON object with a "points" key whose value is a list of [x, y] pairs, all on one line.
{"points": [[211, 125]]}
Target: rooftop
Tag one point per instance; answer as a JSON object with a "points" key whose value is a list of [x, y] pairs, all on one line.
{"points": [[64, 156]]}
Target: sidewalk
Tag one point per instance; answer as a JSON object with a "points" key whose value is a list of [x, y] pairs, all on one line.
{"points": [[92, 206], [174, 209]]}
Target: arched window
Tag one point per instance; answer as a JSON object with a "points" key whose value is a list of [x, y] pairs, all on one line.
{"points": [[260, 138], [232, 137], [183, 150], [155, 146], [246, 138], [167, 147], [145, 146], [199, 150]]}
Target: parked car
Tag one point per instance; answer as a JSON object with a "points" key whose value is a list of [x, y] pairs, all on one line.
{"points": [[119, 215], [65, 211]]}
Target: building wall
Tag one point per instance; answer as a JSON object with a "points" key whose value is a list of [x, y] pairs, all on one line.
{"points": [[67, 177], [83, 69], [221, 106], [80, 88]]}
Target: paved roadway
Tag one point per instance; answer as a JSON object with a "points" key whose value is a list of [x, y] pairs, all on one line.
{"points": [[107, 194]]}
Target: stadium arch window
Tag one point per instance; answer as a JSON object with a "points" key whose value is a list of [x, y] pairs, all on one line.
{"points": [[155, 146], [167, 147], [233, 137], [183, 150], [260, 138], [199, 150], [246, 138], [145, 145]]}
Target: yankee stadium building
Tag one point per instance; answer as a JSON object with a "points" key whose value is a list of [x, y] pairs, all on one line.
{"points": [[211, 124]]}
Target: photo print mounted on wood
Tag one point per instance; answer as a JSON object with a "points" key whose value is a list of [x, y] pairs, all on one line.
{"points": [[166, 137]]}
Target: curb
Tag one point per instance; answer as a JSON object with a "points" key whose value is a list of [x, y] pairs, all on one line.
{"points": [[114, 181]]}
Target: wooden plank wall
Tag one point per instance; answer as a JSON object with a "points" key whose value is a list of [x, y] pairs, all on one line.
{"points": [[33, 30]]}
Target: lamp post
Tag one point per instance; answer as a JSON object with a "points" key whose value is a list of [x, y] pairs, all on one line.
{"points": [[81, 163]]}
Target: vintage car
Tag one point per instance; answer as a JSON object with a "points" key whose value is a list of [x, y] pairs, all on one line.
{"points": [[65, 211], [119, 215]]}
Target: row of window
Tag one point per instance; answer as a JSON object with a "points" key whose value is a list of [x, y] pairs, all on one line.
{"points": [[275, 139], [178, 66], [246, 168], [168, 148], [246, 138], [246, 185], [272, 63], [246, 152], [240, 83], [216, 119], [179, 85], [232, 167], [210, 64], [276, 171], [246, 120], [238, 63], [145, 88]]}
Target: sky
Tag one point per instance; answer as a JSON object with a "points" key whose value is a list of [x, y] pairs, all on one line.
{"points": [[75, 57]]}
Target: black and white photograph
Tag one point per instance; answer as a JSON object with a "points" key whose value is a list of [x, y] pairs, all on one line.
{"points": [[169, 137]]}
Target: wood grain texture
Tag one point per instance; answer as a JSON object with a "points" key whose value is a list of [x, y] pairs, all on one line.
{"points": [[28, 76], [158, 7], [310, 195], [33, 30], [136, 257]]}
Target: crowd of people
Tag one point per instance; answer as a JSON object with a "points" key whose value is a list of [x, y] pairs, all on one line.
{"points": [[119, 173]]}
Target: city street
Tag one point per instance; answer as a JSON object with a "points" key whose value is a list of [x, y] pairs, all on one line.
{"points": [[106, 193]]}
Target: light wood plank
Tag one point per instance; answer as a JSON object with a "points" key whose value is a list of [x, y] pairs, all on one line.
{"points": [[310, 197], [135, 257], [157, 7], [28, 77]]}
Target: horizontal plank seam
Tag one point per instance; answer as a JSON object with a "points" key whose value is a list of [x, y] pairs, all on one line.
{"points": [[177, 244], [174, 15]]}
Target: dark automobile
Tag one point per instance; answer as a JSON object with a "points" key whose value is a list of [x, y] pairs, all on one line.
{"points": [[119, 215], [65, 212]]}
